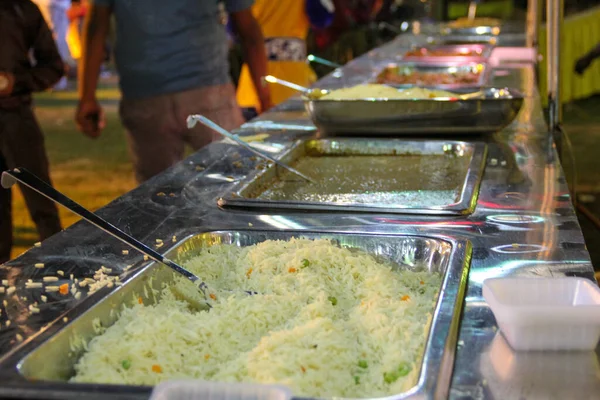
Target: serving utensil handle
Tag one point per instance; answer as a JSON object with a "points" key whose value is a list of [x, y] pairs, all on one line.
{"points": [[9, 178]]}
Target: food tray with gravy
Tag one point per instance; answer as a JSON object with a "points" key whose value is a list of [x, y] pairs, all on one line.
{"points": [[476, 53], [42, 366], [490, 110], [369, 175], [439, 74]]}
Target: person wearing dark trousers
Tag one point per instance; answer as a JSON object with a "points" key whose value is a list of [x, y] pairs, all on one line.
{"points": [[584, 62], [23, 29]]}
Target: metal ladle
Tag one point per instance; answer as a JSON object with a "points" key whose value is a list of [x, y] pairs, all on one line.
{"points": [[9, 178], [192, 120], [312, 94]]}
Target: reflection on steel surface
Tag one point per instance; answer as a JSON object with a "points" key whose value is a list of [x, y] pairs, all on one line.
{"points": [[558, 375], [515, 219], [518, 248], [448, 257]]}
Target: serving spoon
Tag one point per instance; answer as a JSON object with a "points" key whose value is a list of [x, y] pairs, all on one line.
{"points": [[192, 120], [9, 178], [312, 94]]}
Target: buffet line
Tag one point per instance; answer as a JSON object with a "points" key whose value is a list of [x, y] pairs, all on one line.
{"points": [[431, 171]]}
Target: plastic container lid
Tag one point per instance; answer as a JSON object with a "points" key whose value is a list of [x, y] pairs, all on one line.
{"points": [[196, 390], [546, 313]]}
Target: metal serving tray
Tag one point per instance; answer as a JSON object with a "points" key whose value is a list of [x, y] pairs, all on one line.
{"points": [[493, 111], [453, 53], [40, 367], [404, 70], [490, 40], [248, 193]]}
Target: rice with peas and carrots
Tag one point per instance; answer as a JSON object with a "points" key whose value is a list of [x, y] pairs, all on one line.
{"points": [[326, 321]]}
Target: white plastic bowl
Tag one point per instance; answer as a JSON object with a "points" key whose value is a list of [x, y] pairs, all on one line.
{"points": [[202, 390], [546, 313]]}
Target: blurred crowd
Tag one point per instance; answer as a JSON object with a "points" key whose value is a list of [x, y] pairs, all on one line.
{"points": [[172, 60]]}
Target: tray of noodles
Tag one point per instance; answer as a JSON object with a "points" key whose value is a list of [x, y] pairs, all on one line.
{"points": [[368, 175], [334, 315]]}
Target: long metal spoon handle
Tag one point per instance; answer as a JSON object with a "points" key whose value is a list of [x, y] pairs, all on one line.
{"points": [[28, 179], [319, 60], [291, 85], [192, 119]]}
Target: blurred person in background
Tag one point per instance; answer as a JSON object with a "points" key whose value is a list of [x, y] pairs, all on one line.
{"points": [[23, 29], [55, 14], [285, 25], [76, 14], [329, 20], [171, 58]]}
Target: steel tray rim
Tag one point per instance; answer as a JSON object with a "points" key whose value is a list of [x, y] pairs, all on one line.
{"points": [[513, 95], [465, 204], [445, 322]]}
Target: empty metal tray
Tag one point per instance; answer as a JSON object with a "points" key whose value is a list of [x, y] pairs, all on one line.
{"points": [[369, 175], [41, 366]]}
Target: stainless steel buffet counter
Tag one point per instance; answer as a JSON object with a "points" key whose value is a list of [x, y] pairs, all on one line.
{"points": [[524, 224]]}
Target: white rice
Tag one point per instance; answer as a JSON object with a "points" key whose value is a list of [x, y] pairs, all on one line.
{"points": [[290, 333]]}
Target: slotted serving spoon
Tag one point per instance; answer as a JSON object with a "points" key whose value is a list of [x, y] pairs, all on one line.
{"points": [[192, 120], [9, 178]]}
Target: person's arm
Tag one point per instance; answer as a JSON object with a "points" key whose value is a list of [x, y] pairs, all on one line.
{"points": [[89, 116], [48, 68], [253, 47], [584, 62]]}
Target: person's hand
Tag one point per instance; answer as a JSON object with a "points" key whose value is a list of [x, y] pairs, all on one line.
{"points": [[264, 97], [582, 64], [90, 118], [7, 83]]}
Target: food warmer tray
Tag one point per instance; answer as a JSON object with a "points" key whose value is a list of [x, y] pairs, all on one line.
{"points": [[494, 110], [417, 199], [477, 70], [456, 52], [42, 365]]}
